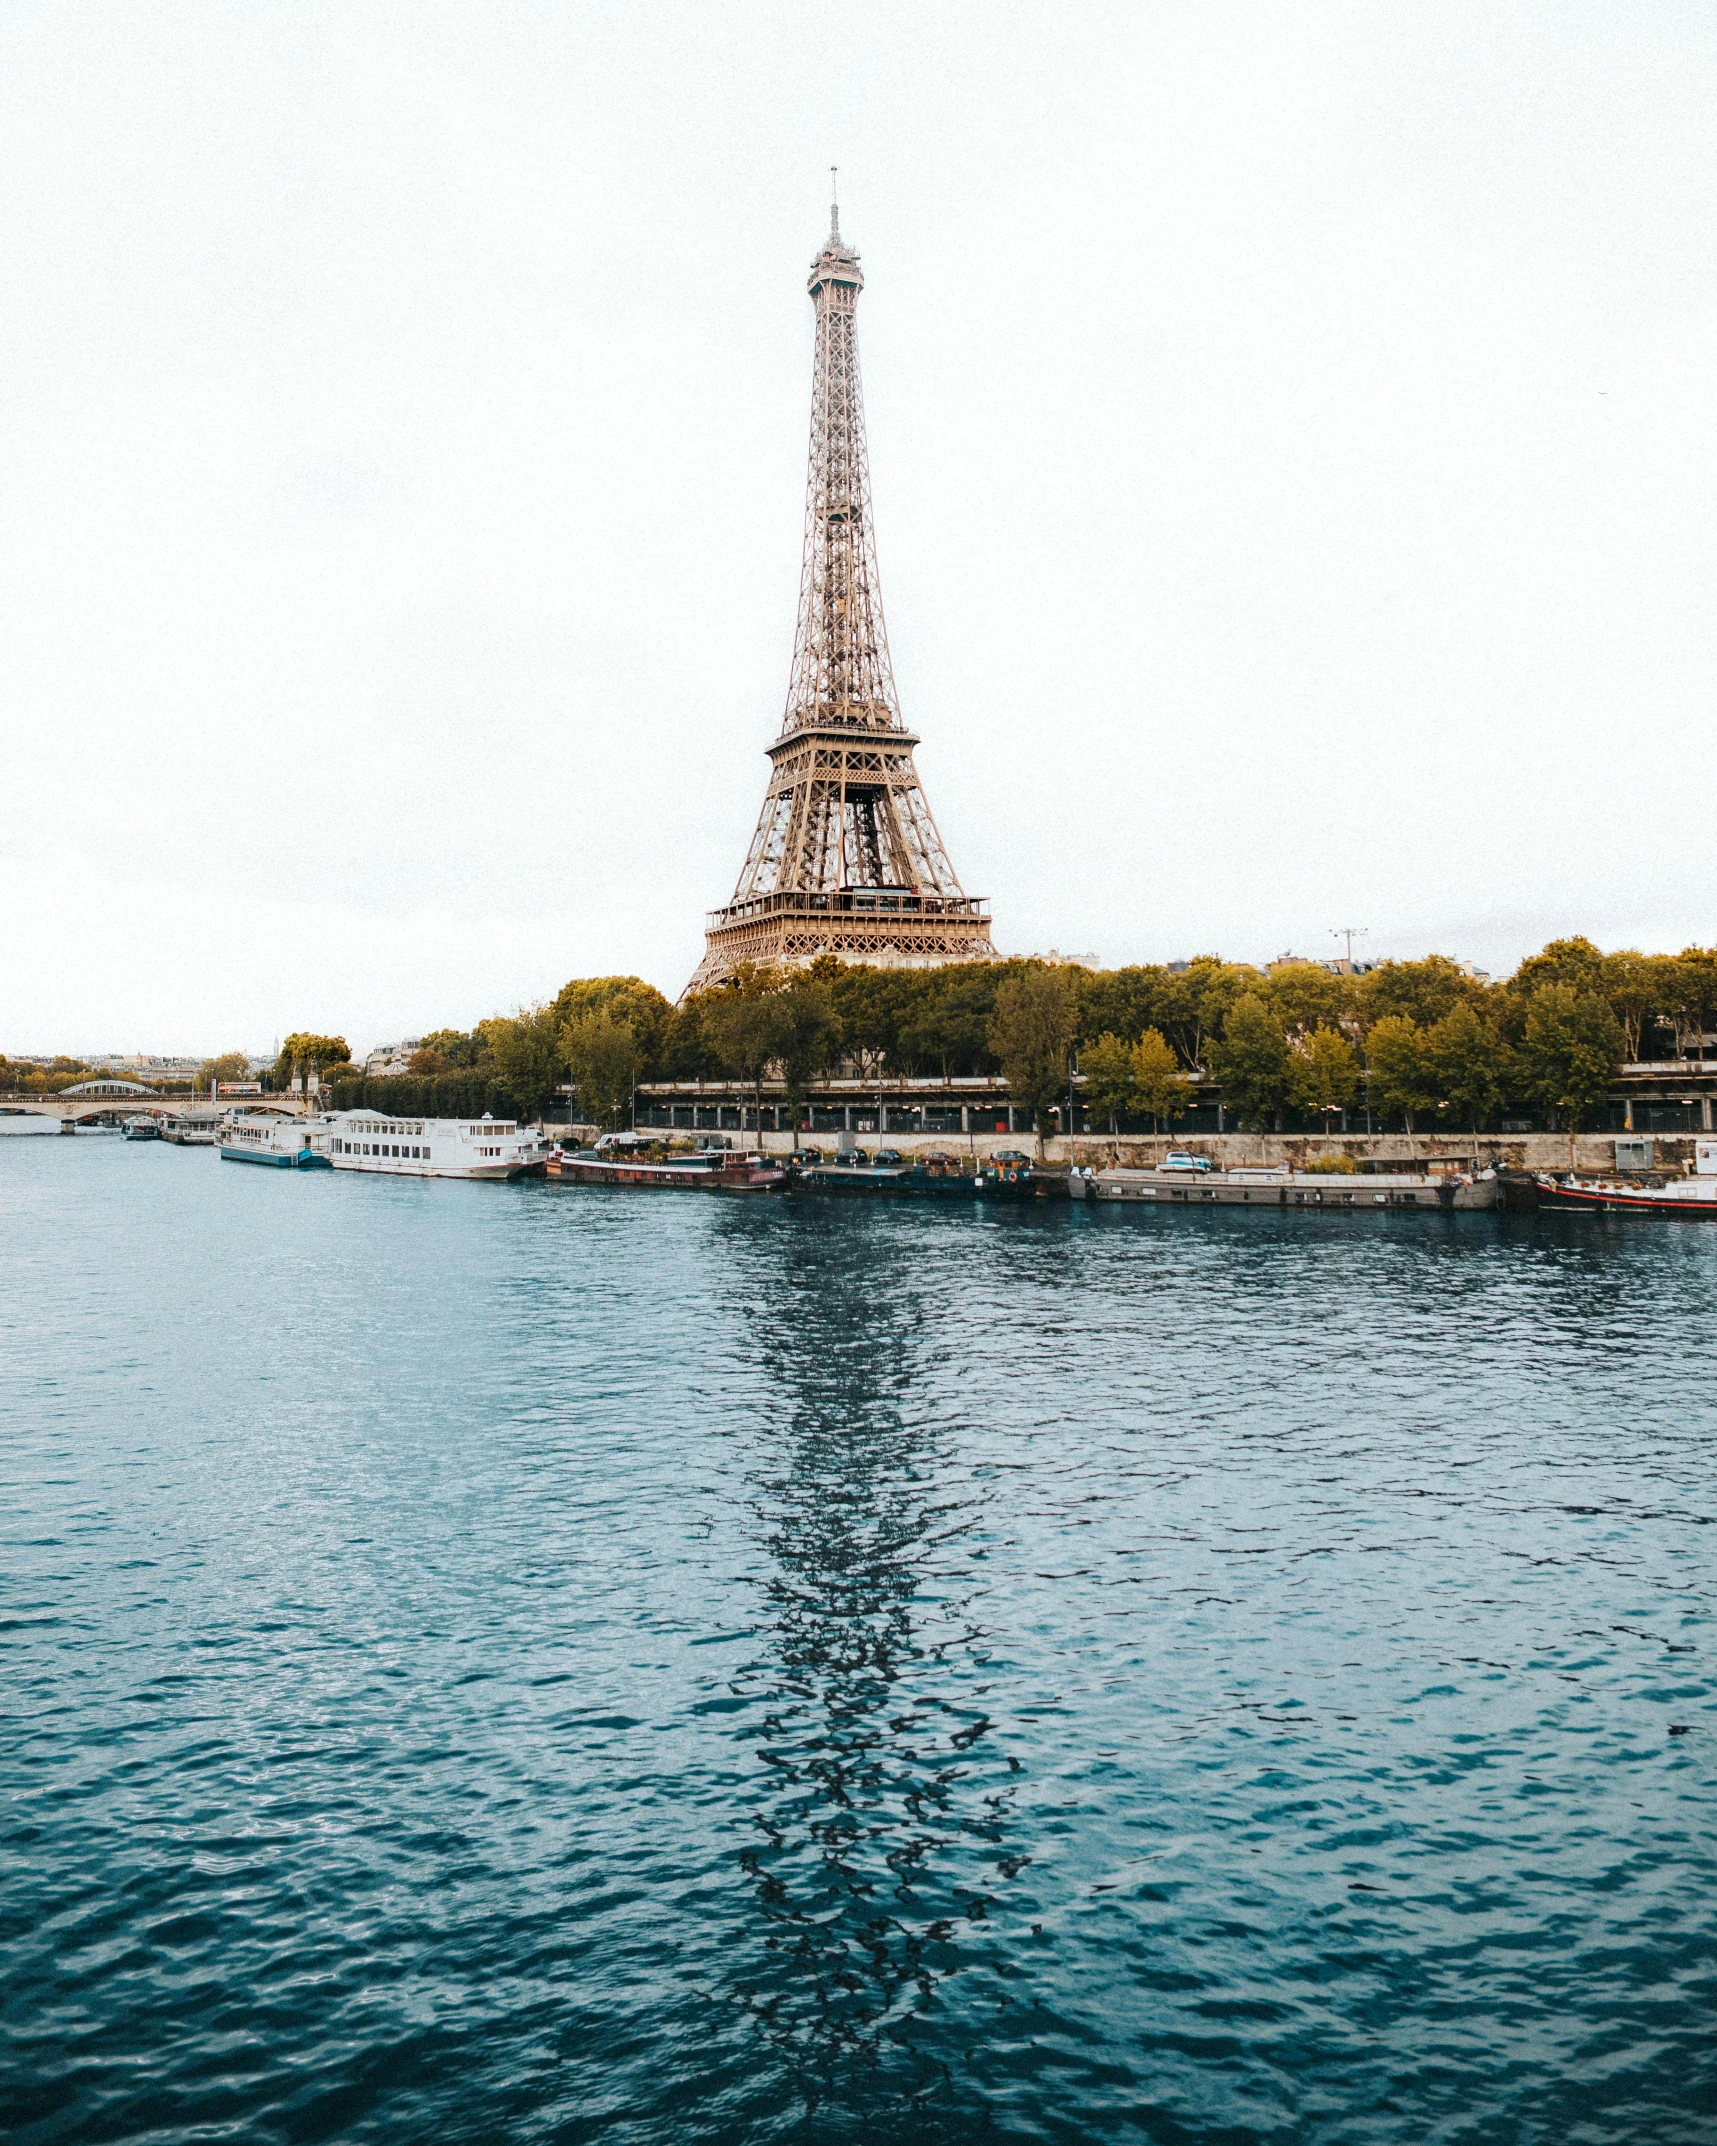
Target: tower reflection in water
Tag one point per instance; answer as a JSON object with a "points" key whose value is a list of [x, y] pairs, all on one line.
{"points": [[883, 1830]]}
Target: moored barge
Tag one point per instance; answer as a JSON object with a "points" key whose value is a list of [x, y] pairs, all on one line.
{"points": [[713, 1171], [1293, 1189], [888, 1175]]}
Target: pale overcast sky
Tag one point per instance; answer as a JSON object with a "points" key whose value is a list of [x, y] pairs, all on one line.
{"points": [[1292, 433]]}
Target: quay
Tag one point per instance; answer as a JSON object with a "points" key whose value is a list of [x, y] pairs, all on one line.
{"points": [[917, 1118], [1670, 1097]]}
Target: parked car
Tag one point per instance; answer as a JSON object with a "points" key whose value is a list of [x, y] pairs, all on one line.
{"points": [[1176, 1159]]}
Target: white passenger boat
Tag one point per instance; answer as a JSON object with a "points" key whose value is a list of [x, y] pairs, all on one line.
{"points": [[284, 1143], [432, 1147]]}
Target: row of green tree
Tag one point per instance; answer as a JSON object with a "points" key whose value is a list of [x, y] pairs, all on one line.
{"points": [[24, 1076], [27, 1076], [1413, 1041]]}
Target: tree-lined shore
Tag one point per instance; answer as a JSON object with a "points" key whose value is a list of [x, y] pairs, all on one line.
{"points": [[1415, 1043]]}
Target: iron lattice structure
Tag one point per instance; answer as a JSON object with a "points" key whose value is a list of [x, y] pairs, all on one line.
{"points": [[846, 859]]}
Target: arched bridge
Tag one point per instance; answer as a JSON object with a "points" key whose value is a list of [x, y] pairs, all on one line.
{"points": [[119, 1099]]}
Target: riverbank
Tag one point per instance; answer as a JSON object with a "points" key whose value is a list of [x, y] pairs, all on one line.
{"points": [[1670, 1152]]}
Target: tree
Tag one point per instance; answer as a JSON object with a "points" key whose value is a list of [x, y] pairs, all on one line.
{"points": [[1251, 1060], [1571, 1052], [950, 1025], [527, 1054], [1698, 970], [1198, 999], [1031, 1033], [626, 999], [687, 1052], [231, 1065], [1575, 962], [807, 1032], [873, 1006], [302, 1050], [1306, 997], [1120, 1002], [743, 1024], [603, 1057], [1107, 1066], [1416, 991], [1159, 1085], [1326, 1073], [453, 1047], [426, 1063], [1399, 1072], [1465, 1059], [1631, 985]]}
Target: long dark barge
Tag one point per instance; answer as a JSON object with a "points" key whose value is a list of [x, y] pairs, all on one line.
{"points": [[887, 1175], [714, 1172], [1011, 1175], [1360, 1192]]}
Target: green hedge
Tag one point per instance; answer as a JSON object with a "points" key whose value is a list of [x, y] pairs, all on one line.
{"points": [[447, 1095]]}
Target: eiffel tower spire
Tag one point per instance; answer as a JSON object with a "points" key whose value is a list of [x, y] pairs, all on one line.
{"points": [[846, 859]]}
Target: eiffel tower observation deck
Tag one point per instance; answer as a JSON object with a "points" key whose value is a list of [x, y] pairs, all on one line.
{"points": [[846, 859]]}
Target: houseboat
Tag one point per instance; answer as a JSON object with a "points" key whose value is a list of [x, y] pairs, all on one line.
{"points": [[379, 1146], [888, 1175], [191, 1128], [282, 1143]]}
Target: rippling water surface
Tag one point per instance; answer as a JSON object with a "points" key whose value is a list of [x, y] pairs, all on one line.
{"points": [[508, 1663]]}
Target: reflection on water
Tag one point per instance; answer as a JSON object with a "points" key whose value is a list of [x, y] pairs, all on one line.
{"points": [[884, 1826]]}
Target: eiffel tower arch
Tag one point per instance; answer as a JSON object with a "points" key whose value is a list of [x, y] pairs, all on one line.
{"points": [[846, 859]]}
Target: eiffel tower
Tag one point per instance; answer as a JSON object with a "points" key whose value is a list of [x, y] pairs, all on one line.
{"points": [[846, 859]]}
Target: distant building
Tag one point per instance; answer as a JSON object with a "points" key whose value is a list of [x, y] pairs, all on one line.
{"points": [[1335, 964], [388, 1059]]}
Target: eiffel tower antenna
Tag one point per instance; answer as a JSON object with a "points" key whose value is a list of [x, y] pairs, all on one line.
{"points": [[846, 859]]}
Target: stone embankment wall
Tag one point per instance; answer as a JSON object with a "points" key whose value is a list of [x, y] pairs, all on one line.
{"points": [[1594, 1152]]}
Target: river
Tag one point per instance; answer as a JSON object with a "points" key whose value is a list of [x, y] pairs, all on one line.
{"points": [[503, 1662]]}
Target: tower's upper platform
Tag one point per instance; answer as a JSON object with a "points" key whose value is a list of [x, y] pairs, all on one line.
{"points": [[837, 263]]}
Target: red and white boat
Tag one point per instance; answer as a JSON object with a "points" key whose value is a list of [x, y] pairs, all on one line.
{"points": [[1683, 1196], [1696, 1195]]}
